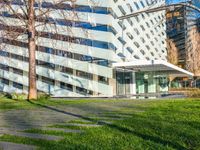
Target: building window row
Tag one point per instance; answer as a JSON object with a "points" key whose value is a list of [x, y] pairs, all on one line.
{"points": [[54, 66], [86, 58]]}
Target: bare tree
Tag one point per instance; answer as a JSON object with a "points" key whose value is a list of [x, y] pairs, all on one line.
{"points": [[193, 51], [172, 52], [31, 16]]}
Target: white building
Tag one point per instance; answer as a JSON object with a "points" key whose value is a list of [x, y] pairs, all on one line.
{"points": [[105, 57]]}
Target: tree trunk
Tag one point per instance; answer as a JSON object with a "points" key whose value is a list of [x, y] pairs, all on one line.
{"points": [[32, 93]]}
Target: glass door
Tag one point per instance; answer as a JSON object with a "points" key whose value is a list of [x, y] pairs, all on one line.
{"points": [[124, 80]]}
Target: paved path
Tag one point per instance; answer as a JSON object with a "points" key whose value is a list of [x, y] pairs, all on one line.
{"points": [[14, 146], [82, 125], [61, 130], [32, 135]]}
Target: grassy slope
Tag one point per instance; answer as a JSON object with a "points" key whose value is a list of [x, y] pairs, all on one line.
{"points": [[163, 125]]}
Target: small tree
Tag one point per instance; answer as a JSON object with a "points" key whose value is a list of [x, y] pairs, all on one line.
{"points": [[28, 12]]}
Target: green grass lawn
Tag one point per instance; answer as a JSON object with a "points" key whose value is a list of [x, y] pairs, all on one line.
{"points": [[161, 124]]}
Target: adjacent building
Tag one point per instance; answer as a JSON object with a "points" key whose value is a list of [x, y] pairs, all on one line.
{"points": [[99, 56], [183, 37]]}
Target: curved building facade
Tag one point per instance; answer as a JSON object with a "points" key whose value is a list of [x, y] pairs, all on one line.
{"points": [[76, 59]]}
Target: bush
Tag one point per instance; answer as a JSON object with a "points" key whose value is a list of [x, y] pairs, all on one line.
{"points": [[195, 93], [2, 95], [43, 96], [189, 92], [183, 89], [18, 96]]}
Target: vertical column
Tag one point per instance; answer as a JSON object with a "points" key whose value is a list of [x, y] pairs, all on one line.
{"points": [[25, 88], [73, 86], [113, 83], [95, 78], [57, 83], [10, 82], [133, 84]]}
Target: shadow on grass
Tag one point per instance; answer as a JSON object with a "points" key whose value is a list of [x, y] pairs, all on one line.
{"points": [[61, 111], [154, 139]]}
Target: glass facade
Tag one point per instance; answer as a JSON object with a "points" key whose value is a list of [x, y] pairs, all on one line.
{"points": [[151, 82], [124, 82], [143, 82]]}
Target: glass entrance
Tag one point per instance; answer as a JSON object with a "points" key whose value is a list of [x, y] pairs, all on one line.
{"points": [[146, 86], [124, 80], [151, 82]]}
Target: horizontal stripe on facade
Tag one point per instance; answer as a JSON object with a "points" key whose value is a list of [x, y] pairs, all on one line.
{"points": [[48, 65], [66, 54], [62, 22], [64, 6], [41, 86], [81, 41], [69, 62]]}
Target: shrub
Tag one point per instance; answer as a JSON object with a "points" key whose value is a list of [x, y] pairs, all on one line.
{"points": [[18, 96], [43, 96], [183, 89], [194, 93], [189, 92], [2, 95]]}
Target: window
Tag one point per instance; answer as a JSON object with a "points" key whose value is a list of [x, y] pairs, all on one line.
{"points": [[152, 22], [141, 2], [5, 81], [17, 85], [84, 74], [142, 51], [142, 39], [4, 67], [121, 40], [137, 19], [130, 49], [136, 31], [122, 10], [152, 32], [136, 57], [147, 24], [129, 35], [130, 8], [18, 71], [148, 36], [65, 69], [46, 64], [129, 21], [136, 44], [122, 25], [136, 5], [143, 16], [103, 79], [147, 46], [66, 86], [142, 27], [147, 58], [83, 91]]}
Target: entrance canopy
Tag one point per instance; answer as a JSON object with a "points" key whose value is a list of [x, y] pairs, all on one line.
{"points": [[153, 66]]}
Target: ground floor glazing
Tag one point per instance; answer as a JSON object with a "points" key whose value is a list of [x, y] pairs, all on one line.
{"points": [[133, 83]]}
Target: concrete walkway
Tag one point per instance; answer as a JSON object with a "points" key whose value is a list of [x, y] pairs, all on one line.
{"points": [[14, 146]]}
